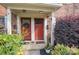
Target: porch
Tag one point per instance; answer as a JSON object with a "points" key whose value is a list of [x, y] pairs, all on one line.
{"points": [[15, 13]]}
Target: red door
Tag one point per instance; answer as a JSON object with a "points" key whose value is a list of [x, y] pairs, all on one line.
{"points": [[39, 29], [26, 28]]}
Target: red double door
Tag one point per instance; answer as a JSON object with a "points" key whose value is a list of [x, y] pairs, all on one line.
{"points": [[38, 28]]}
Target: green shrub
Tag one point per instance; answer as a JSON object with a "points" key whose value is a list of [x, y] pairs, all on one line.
{"points": [[10, 44], [60, 49], [74, 51]]}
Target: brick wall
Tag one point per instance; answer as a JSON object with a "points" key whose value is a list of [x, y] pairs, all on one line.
{"points": [[2, 11], [68, 10]]}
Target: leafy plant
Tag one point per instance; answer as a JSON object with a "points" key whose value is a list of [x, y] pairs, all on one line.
{"points": [[10, 44], [60, 49]]}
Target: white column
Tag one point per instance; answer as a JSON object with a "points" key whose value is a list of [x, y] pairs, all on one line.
{"points": [[32, 30], [45, 30], [9, 31], [18, 25], [52, 29]]}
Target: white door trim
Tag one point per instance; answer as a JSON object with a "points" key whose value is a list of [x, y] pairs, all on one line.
{"points": [[32, 30], [45, 30]]}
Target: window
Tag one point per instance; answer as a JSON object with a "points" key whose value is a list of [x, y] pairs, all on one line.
{"points": [[2, 25]]}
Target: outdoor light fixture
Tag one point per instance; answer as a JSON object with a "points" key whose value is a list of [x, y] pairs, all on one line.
{"points": [[23, 11], [41, 12]]}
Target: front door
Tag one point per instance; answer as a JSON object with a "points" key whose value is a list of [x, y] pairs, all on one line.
{"points": [[26, 28], [39, 29]]}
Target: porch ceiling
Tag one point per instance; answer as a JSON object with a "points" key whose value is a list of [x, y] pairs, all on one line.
{"points": [[30, 13]]}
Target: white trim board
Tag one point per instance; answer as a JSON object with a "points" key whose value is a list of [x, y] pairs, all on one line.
{"points": [[45, 30], [32, 30]]}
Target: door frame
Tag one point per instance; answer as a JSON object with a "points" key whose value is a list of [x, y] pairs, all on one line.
{"points": [[33, 29]]}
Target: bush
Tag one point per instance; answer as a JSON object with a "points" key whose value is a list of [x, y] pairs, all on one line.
{"points": [[60, 49], [10, 44], [67, 31]]}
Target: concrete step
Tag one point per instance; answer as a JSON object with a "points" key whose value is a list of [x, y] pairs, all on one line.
{"points": [[33, 49], [34, 46], [32, 52]]}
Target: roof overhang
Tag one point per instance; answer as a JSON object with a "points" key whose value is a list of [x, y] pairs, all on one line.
{"points": [[32, 6], [32, 9]]}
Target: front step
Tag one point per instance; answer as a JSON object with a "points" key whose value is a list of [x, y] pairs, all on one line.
{"points": [[34, 46], [32, 52], [33, 49]]}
